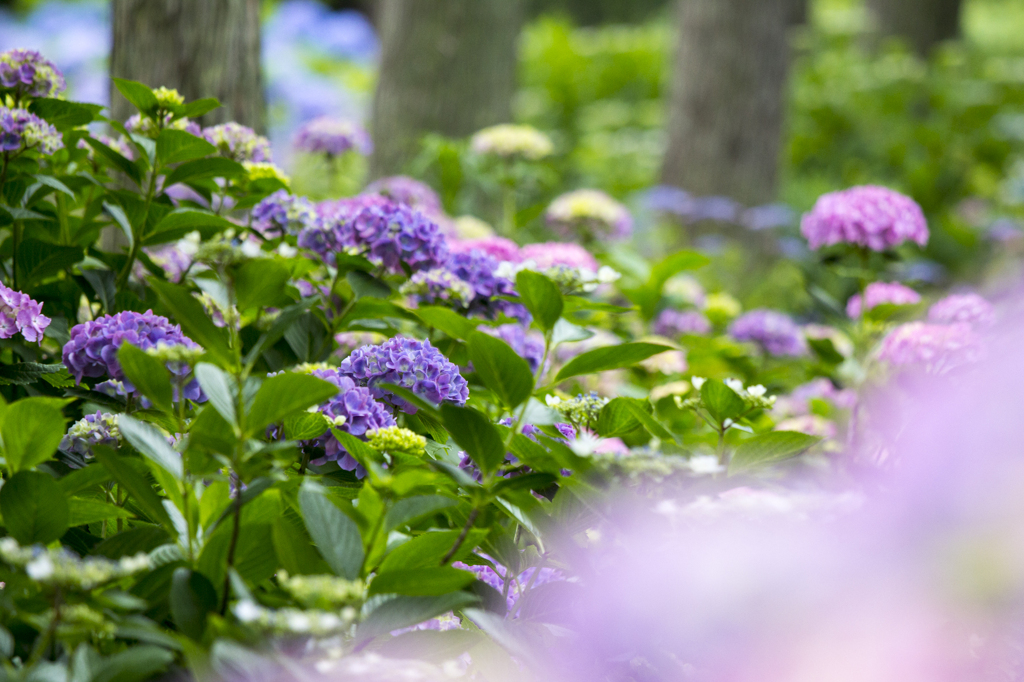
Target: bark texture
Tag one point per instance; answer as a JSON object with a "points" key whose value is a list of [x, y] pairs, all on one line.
{"points": [[922, 23], [447, 66], [204, 48], [726, 111]]}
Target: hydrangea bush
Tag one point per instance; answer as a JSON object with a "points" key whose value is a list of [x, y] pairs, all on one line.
{"points": [[273, 429]]}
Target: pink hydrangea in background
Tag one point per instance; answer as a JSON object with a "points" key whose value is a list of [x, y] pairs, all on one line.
{"points": [[880, 293], [967, 308], [558, 254], [873, 217], [936, 348], [500, 248]]}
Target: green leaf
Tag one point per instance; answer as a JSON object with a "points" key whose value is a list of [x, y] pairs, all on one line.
{"points": [[427, 550], [282, 324], [192, 599], [197, 325], [535, 480], [219, 388], [335, 534], [673, 265], [541, 297], [115, 159], [362, 452], [83, 511], [412, 509], [151, 444], [617, 419], [214, 167], [182, 221], [135, 664], [643, 411], [721, 401], [405, 394], [64, 115], [32, 429], [34, 510], [610, 357], [448, 321], [104, 283], [54, 183], [148, 375], [826, 350], [533, 454], [404, 611], [131, 542], [500, 368], [135, 483], [260, 283], [565, 331], [305, 425], [118, 215], [25, 373], [138, 94], [769, 448], [421, 582], [38, 259], [78, 480], [284, 394], [476, 435], [366, 285], [201, 106]]}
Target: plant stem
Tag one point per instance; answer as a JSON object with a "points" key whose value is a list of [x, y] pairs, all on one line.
{"points": [[462, 536], [231, 547], [47, 636], [16, 237], [133, 253]]}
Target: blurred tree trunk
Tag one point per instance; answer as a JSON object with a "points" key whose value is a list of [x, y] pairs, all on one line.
{"points": [[447, 66], [726, 111], [922, 23], [799, 12], [204, 48]]}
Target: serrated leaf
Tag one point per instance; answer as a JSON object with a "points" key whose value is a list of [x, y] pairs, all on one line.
{"points": [[32, 429], [610, 357], [189, 313], [220, 389], [148, 375], [404, 611], [770, 448], [541, 297], [500, 368], [137, 93], [448, 321], [25, 373], [335, 534], [34, 511], [285, 394], [151, 444], [476, 435], [214, 167], [721, 401]]}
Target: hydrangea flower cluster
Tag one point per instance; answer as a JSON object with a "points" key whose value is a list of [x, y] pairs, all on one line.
{"points": [[937, 348], [28, 74], [581, 412], [481, 272], [872, 217], [238, 142], [405, 190], [968, 308], [322, 591], [495, 577], [61, 567], [264, 170], [775, 332], [354, 411], [508, 141], [680, 322], [148, 127], [332, 136], [589, 214], [282, 213], [526, 344], [397, 439], [20, 314], [91, 430], [22, 131], [551, 255], [438, 284], [502, 249], [811, 424], [92, 349], [290, 621], [881, 293], [410, 363]]}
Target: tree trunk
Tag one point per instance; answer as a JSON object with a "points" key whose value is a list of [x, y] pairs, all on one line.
{"points": [[922, 23], [727, 106], [204, 48], [799, 12], [447, 66]]}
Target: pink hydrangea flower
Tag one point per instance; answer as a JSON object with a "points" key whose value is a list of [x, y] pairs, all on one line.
{"points": [[881, 293], [555, 254], [19, 313], [968, 308], [873, 217], [937, 348]]}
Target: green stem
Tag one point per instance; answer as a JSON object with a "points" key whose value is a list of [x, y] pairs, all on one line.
{"points": [[235, 528], [133, 253], [462, 536]]}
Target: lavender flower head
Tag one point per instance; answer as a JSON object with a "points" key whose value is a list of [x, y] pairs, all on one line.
{"points": [[969, 308], [20, 314], [438, 285], [354, 411], [408, 191], [412, 364], [527, 345], [936, 348], [500, 248], [680, 322], [589, 214], [775, 332], [511, 141], [23, 131], [873, 217], [92, 430], [881, 293], [238, 142], [282, 213], [92, 349], [28, 74], [332, 136], [479, 270]]}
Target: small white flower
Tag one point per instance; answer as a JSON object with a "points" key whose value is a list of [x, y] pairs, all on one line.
{"points": [[735, 384], [697, 382], [607, 275], [297, 621], [705, 464], [251, 249], [247, 611], [727, 423], [552, 400], [757, 391], [40, 568], [287, 250]]}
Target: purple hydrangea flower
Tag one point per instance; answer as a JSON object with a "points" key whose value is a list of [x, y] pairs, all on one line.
{"points": [[495, 577], [936, 348], [331, 136], [881, 293], [19, 313], [438, 285], [360, 411], [412, 364], [873, 217], [477, 269], [678, 322], [90, 431], [408, 191], [775, 332], [282, 213], [550, 255], [238, 142], [28, 74], [500, 248], [527, 345], [22, 131], [969, 308], [589, 214], [92, 350]]}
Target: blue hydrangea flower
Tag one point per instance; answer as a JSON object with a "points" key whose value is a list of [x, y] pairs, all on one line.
{"points": [[775, 332], [438, 285], [92, 430], [412, 364], [282, 213], [24, 131]]}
